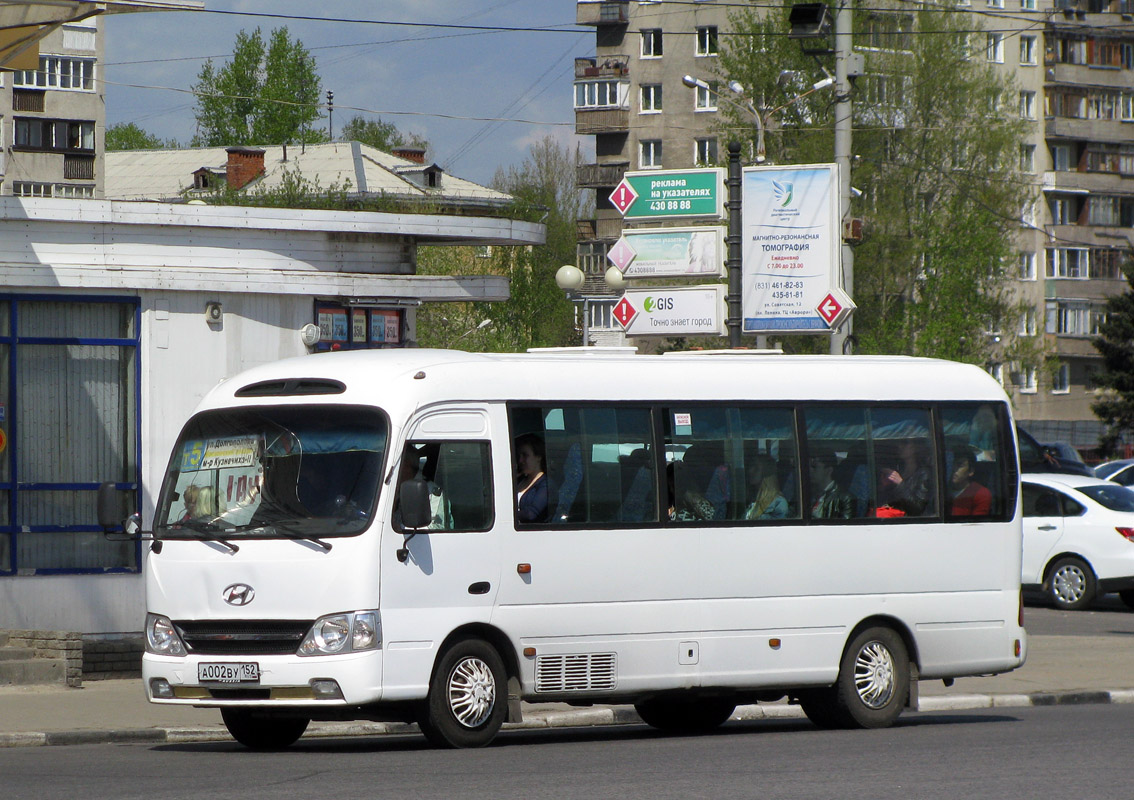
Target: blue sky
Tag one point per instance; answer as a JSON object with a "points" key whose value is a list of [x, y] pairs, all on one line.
{"points": [[410, 76]]}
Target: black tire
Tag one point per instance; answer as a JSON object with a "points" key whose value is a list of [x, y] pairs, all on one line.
{"points": [[685, 714], [468, 696], [1127, 597], [874, 680], [820, 707], [261, 731], [1071, 584]]}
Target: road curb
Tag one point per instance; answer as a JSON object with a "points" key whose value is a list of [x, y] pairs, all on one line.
{"points": [[587, 717]]}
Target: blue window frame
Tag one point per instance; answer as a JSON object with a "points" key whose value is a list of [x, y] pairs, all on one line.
{"points": [[69, 399]]}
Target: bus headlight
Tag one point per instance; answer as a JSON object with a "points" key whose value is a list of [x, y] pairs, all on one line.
{"points": [[342, 633], [161, 637]]}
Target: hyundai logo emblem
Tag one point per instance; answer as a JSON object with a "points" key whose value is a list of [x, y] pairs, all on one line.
{"points": [[238, 594]]}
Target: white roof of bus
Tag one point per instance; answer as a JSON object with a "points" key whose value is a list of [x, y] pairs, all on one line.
{"points": [[386, 378]]}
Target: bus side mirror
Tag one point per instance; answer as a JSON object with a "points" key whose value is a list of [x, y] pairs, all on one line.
{"points": [[413, 500], [109, 506]]}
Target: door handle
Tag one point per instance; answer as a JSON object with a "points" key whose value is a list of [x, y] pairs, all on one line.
{"points": [[1048, 527], [480, 587]]}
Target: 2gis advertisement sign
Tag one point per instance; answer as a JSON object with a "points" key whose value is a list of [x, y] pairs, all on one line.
{"points": [[792, 249], [678, 311]]}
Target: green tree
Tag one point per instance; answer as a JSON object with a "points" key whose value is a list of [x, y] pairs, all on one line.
{"points": [[382, 135], [129, 136], [1115, 342], [936, 159], [267, 94], [537, 313]]}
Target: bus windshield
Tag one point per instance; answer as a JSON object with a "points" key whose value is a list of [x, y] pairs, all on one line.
{"points": [[274, 472]]}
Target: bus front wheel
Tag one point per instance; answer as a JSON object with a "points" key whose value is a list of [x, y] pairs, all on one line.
{"points": [[467, 696], [874, 680], [685, 715], [259, 731]]}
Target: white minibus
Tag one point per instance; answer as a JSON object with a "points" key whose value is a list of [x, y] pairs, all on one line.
{"points": [[435, 536]]}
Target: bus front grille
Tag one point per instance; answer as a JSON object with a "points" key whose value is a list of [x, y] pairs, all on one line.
{"points": [[252, 637], [582, 672]]}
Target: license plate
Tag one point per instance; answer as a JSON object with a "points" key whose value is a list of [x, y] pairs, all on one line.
{"points": [[228, 673]]}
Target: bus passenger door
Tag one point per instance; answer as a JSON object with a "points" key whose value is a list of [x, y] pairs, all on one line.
{"points": [[437, 579]]}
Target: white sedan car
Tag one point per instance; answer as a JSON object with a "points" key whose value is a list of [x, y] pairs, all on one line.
{"points": [[1078, 538]]}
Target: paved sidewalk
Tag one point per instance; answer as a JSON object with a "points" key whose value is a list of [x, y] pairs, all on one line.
{"points": [[1060, 669]]}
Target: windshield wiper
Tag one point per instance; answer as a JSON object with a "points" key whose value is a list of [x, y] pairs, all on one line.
{"points": [[203, 528], [289, 532]]}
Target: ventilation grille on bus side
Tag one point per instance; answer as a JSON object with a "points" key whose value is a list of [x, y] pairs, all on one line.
{"points": [[585, 672]]}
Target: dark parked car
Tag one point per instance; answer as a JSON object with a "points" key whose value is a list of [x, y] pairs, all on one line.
{"points": [[1034, 457], [1121, 471], [1063, 450]]}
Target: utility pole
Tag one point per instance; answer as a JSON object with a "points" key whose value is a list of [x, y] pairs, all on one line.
{"points": [[844, 54]]}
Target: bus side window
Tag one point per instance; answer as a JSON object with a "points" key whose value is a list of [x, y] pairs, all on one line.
{"points": [[458, 474], [976, 431]]}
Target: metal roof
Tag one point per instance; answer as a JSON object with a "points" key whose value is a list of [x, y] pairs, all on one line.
{"points": [[167, 175]]}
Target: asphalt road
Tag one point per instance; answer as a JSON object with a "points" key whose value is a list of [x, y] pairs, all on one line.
{"points": [[1108, 616], [1059, 751]]}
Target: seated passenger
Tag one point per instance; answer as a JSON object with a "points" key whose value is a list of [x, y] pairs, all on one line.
{"points": [[830, 502], [764, 487], [531, 479], [909, 488], [970, 499]]}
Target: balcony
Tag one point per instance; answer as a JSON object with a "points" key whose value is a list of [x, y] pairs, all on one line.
{"points": [[615, 66], [589, 122], [602, 12], [600, 229], [597, 176]]}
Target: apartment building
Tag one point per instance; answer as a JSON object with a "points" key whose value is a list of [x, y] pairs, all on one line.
{"points": [[54, 117], [1071, 63]]}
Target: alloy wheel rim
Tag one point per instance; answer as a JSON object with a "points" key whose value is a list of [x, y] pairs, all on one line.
{"points": [[1069, 584], [472, 692], [874, 675]]}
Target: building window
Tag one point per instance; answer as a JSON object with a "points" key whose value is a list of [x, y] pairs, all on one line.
{"points": [[599, 94], [650, 154], [1028, 384], [1067, 262], [1027, 158], [1027, 267], [24, 100], [1027, 5], [705, 152], [995, 48], [54, 134], [707, 40], [61, 348], [706, 99], [1064, 210], [591, 257], [1106, 263], [651, 98], [1061, 158], [1028, 105], [57, 72], [652, 43], [343, 328], [1028, 50], [30, 189], [1028, 322], [1061, 379]]}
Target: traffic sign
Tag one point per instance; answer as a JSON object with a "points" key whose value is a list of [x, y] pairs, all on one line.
{"points": [[625, 312], [668, 194], [835, 307]]}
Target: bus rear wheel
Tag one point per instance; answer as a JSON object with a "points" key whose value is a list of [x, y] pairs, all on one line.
{"points": [[467, 696], [259, 731], [685, 715], [874, 680]]}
